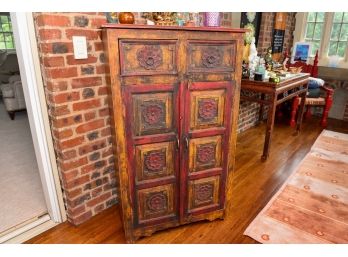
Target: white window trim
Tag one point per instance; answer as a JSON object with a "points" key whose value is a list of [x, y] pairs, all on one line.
{"points": [[29, 64], [299, 35]]}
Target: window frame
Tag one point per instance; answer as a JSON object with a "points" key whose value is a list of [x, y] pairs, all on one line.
{"points": [[300, 33]]}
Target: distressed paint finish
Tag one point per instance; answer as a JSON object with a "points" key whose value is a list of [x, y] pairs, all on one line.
{"points": [[208, 56], [176, 136]]}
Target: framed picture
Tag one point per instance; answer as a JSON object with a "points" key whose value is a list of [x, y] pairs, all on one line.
{"points": [[301, 52]]}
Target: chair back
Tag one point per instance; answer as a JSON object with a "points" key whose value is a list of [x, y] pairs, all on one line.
{"points": [[312, 69]]}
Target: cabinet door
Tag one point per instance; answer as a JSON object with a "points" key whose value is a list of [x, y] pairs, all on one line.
{"points": [[152, 146], [206, 137]]}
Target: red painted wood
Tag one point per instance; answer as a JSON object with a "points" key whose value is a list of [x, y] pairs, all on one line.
{"points": [[204, 209], [294, 108], [313, 70], [328, 101], [205, 173], [188, 133], [141, 140], [208, 132], [156, 182], [145, 88], [133, 140], [308, 113]]}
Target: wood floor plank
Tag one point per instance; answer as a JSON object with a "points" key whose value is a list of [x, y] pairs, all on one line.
{"points": [[254, 183]]}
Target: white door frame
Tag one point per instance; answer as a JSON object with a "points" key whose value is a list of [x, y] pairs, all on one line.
{"points": [[29, 64]]}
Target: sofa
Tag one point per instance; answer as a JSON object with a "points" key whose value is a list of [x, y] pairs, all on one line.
{"points": [[13, 96]]}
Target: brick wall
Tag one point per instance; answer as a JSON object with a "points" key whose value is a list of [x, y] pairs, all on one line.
{"points": [[249, 112], [77, 104], [78, 111], [266, 31]]}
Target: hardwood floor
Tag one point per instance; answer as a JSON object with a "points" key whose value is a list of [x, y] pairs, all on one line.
{"points": [[254, 184]]}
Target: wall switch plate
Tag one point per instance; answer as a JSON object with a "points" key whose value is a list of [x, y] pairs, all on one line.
{"points": [[80, 47]]}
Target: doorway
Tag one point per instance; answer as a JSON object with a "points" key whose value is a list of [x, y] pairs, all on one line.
{"points": [[31, 196]]}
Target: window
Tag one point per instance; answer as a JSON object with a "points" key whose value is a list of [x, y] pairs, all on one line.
{"points": [[328, 33], [6, 34], [314, 29], [339, 34]]}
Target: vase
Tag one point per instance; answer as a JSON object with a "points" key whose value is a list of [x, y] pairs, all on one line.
{"points": [[211, 19], [126, 17]]}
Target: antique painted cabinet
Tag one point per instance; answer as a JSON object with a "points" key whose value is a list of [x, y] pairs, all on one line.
{"points": [[174, 103]]}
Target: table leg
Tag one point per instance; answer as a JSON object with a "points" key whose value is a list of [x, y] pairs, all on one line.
{"points": [[300, 112], [269, 128], [261, 108]]}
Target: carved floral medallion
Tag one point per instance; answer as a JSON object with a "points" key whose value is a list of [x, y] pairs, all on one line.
{"points": [[157, 202], [206, 153], [153, 113], [211, 57], [204, 192], [154, 161], [207, 109], [150, 57]]}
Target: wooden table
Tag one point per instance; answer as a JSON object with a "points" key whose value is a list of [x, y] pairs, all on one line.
{"points": [[288, 88]]}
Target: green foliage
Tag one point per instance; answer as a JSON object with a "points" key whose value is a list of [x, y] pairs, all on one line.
{"points": [[311, 17], [344, 32], [315, 46], [310, 30], [341, 48], [345, 18], [6, 35], [320, 16], [332, 48], [335, 32], [339, 34], [338, 17], [317, 31]]}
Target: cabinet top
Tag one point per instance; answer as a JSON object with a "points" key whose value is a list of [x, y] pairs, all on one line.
{"points": [[156, 27]]}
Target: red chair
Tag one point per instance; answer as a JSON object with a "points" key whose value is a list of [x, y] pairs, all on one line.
{"points": [[324, 101]]}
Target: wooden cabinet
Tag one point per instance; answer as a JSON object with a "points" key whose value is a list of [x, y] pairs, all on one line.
{"points": [[174, 102]]}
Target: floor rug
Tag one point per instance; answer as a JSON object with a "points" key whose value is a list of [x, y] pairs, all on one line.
{"points": [[312, 205]]}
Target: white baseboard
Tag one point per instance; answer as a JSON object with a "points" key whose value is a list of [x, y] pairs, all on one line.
{"points": [[28, 231]]}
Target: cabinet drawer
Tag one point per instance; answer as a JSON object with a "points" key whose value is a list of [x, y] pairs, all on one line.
{"points": [[208, 56], [148, 57]]}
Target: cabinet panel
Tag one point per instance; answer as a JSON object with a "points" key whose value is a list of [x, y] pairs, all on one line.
{"points": [[154, 161], [203, 193], [153, 113], [148, 57], [207, 109], [156, 203], [206, 131], [211, 56], [205, 153], [152, 152]]}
